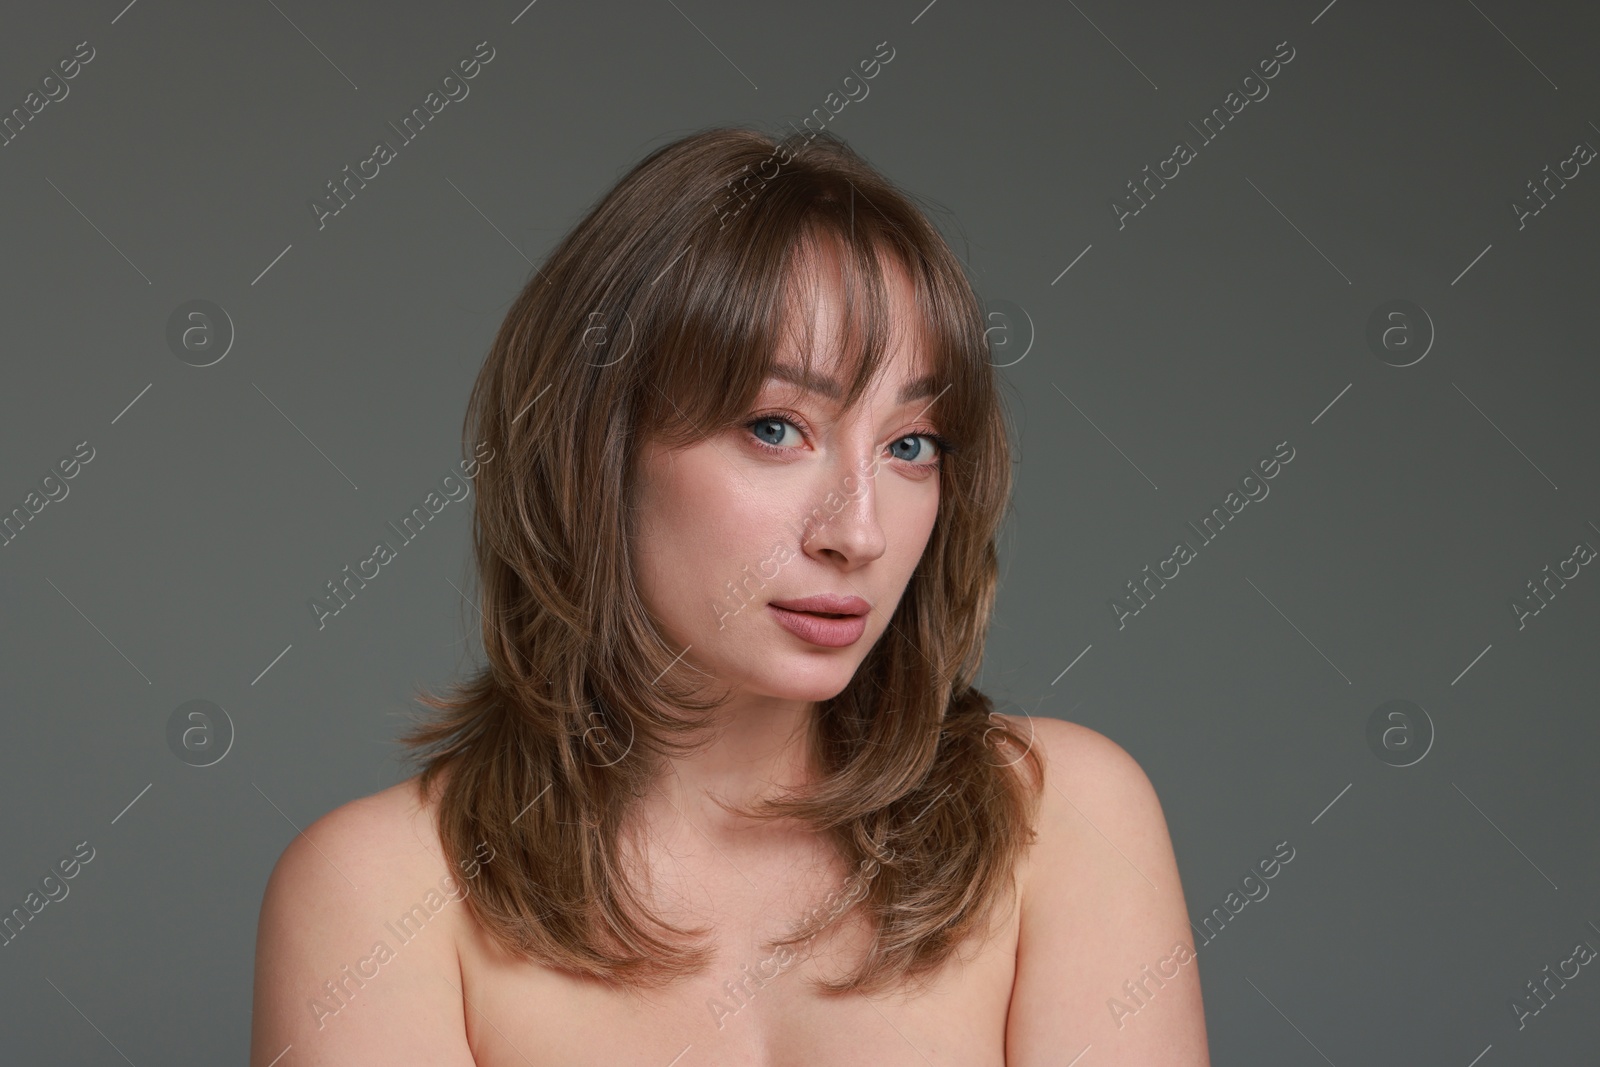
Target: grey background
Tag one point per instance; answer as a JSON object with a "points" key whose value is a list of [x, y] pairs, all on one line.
{"points": [[1228, 316]]}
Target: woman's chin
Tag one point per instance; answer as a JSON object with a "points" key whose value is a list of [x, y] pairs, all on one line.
{"points": [[786, 678]]}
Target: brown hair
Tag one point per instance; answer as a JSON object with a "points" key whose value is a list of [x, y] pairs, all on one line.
{"points": [[661, 313]]}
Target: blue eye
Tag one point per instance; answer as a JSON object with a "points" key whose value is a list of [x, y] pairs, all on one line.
{"points": [[767, 422], [773, 425], [926, 436]]}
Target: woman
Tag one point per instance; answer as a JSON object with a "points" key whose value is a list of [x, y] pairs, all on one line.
{"points": [[724, 792]]}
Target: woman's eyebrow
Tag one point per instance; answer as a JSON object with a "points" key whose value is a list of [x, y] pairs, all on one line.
{"points": [[915, 389]]}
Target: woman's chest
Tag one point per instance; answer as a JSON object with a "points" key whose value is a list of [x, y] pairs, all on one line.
{"points": [[753, 1006]]}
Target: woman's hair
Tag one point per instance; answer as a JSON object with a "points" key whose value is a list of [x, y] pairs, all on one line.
{"points": [[658, 318]]}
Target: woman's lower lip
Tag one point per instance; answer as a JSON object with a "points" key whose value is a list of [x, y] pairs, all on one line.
{"points": [[829, 633]]}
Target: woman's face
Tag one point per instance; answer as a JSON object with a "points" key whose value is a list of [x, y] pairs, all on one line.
{"points": [[801, 500]]}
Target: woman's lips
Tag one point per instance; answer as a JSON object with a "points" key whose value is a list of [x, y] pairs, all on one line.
{"points": [[819, 629]]}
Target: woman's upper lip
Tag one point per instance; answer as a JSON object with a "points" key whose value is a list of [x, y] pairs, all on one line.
{"points": [[831, 603]]}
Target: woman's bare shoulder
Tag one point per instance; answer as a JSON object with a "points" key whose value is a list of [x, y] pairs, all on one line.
{"points": [[356, 947], [1074, 750], [386, 834], [1085, 773], [1101, 898], [390, 834]]}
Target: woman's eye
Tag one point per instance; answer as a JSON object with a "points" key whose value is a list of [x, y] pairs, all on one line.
{"points": [[918, 451], [771, 425]]}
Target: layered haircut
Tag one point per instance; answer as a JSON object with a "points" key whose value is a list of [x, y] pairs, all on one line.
{"points": [[658, 317]]}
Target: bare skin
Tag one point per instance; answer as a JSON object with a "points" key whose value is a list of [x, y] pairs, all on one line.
{"points": [[727, 503], [1032, 993], [1035, 994]]}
